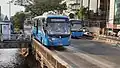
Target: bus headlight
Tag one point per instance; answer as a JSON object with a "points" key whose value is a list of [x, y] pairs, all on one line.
{"points": [[53, 38]]}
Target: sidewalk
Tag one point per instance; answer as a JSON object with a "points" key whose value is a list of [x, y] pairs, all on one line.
{"points": [[107, 39]]}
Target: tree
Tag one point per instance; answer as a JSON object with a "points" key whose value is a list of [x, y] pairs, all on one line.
{"points": [[18, 20], [71, 15], [41, 6], [82, 13]]}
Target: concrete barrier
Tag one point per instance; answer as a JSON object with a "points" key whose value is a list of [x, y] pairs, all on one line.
{"points": [[47, 57]]}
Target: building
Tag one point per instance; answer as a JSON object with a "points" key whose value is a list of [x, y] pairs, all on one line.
{"points": [[72, 6], [1, 15], [114, 16], [98, 15], [98, 11]]}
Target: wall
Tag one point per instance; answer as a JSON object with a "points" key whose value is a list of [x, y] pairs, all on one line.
{"points": [[94, 29]]}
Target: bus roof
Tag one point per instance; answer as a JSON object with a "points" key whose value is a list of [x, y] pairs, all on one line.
{"points": [[58, 16], [39, 17], [75, 21], [51, 16]]}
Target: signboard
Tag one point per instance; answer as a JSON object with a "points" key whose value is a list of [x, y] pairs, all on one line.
{"points": [[58, 20]]}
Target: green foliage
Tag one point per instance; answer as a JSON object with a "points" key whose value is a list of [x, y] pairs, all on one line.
{"points": [[18, 20], [82, 13], [41, 6], [71, 15]]}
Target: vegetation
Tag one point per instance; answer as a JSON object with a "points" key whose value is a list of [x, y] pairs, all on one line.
{"points": [[82, 13], [71, 15], [41, 6], [18, 20]]}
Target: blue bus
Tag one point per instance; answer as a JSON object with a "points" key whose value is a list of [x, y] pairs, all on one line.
{"points": [[76, 28], [52, 30]]}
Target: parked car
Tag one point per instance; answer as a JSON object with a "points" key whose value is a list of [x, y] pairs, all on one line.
{"points": [[87, 32], [85, 29], [111, 33]]}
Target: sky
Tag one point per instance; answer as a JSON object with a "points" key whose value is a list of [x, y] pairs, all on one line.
{"points": [[5, 8]]}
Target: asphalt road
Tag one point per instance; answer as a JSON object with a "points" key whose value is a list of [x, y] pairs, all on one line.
{"points": [[83, 53]]}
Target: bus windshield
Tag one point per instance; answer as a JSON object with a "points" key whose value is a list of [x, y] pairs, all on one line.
{"points": [[58, 28], [76, 26]]}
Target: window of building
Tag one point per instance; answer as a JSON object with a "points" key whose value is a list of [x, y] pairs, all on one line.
{"points": [[118, 5]]}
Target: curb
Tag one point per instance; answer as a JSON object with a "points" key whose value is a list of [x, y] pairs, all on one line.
{"points": [[106, 40]]}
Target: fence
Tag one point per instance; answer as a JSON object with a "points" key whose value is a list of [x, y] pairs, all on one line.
{"points": [[108, 39], [15, 37], [45, 56]]}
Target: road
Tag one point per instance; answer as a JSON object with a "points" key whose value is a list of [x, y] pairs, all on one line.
{"points": [[83, 53]]}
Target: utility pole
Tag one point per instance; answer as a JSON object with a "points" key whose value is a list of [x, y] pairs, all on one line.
{"points": [[0, 13], [97, 20], [88, 12], [9, 8], [81, 7], [81, 3], [107, 16], [88, 7], [97, 8]]}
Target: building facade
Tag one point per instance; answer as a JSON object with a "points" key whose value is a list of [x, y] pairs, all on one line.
{"points": [[98, 11], [114, 16]]}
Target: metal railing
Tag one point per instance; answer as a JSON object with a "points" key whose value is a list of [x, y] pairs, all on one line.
{"points": [[45, 56], [15, 37], [109, 39]]}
